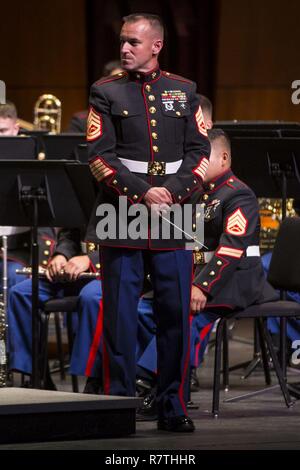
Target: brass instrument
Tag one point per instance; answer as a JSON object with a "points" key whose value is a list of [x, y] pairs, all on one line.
{"points": [[3, 324], [270, 217], [47, 114], [42, 273]]}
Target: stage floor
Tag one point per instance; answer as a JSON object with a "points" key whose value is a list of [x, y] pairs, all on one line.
{"points": [[261, 422]]}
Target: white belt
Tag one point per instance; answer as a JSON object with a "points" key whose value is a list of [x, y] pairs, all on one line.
{"points": [[142, 167], [206, 256]]}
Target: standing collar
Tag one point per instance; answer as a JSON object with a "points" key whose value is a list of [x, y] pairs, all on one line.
{"points": [[213, 184], [145, 77]]}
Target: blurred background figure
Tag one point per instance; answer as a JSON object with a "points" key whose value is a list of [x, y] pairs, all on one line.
{"points": [[78, 120], [8, 119]]}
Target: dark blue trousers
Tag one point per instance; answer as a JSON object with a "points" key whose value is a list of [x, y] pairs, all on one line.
{"points": [[122, 281]]}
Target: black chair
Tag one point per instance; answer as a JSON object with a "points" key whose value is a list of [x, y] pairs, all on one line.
{"points": [[284, 274], [66, 305]]}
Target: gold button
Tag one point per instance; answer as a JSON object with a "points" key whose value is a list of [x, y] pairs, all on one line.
{"points": [[154, 75], [154, 135], [179, 197], [195, 181], [41, 156], [151, 98], [155, 148], [205, 283], [230, 180], [45, 262], [178, 113], [125, 112], [46, 252], [153, 122], [98, 265], [212, 273], [148, 88], [115, 182], [167, 73], [152, 110], [125, 189], [120, 74], [197, 248], [188, 190], [135, 197], [211, 185], [91, 246], [205, 197], [48, 243], [219, 263]]}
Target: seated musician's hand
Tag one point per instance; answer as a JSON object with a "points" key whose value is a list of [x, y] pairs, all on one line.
{"points": [[198, 299], [76, 266], [55, 268]]}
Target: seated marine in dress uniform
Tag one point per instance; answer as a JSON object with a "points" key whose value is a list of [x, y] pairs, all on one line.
{"points": [[66, 264], [228, 273], [18, 238]]}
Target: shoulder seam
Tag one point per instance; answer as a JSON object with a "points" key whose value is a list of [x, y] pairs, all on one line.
{"points": [[113, 78], [173, 76]]}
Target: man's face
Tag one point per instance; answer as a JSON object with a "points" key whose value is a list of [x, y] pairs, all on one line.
{"points": [[8, 127], [217, 161], [139, 46]]}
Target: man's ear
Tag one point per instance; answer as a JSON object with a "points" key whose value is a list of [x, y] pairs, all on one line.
{"points": [[157, 46]]}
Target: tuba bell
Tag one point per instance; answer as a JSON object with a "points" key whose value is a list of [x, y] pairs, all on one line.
{"points": [[47, 114]]}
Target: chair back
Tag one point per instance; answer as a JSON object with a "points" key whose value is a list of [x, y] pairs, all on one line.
{"points": [[284, 272]]}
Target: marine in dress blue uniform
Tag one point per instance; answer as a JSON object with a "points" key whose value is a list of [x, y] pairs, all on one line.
{"points": [[20, 303], [147, 141]]}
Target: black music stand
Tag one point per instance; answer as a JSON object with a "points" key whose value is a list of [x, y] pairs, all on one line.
{"points": [[20, 147], [42, 194], [62, 146], [271, 167]]}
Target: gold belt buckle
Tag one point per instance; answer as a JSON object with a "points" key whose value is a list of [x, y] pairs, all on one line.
{"points": [[199, 257], [156, 168]]}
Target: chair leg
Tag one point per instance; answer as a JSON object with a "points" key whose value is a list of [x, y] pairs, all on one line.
{"points": [[225, 358], [278, 370], [74, 378], [44, 326], [59, 344], [217, 367], [264, 354]]}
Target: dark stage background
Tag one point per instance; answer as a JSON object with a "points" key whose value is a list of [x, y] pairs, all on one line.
{"points": [[243, 55]]}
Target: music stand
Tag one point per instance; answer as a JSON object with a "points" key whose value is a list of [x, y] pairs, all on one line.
{"points": [[62, 146], [41, 194], [20, 147], [277, 162]]}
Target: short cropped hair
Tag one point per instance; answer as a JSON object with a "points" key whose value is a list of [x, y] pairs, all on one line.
{"points": [[8, 110], [154, 20], [215, 134], [206, 105]]}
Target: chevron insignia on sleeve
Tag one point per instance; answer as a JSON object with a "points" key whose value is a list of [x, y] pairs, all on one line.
{"points": [[229, 251], [200, 122], [236, 223], [94, 125], [200, 170], [100, 170]]}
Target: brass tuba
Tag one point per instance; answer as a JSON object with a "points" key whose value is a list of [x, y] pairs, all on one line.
{"points": [[47, 114]]}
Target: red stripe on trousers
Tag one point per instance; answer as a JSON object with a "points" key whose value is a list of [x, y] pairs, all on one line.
{"points": [[96, 341]]}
